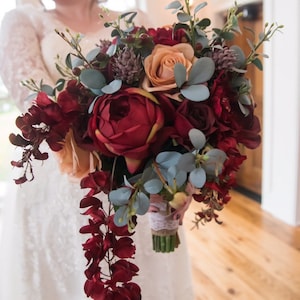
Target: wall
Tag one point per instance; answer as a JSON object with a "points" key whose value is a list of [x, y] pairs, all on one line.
{"points": [[281, 165]]}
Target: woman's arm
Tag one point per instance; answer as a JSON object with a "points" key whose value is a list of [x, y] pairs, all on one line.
{"points": [[20, 55]]}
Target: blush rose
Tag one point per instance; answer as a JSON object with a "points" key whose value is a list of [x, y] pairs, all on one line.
{"points": [[159, 66]]}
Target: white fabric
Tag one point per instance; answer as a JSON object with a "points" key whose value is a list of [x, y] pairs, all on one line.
{"points": [[41, 254]]}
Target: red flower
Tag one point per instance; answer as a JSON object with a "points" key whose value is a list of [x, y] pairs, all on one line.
{"points": [[194, 115], [126, 124], [97, 181], [124, 247], [167, 36]]}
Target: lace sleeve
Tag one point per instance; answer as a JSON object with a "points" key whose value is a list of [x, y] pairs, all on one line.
{"points": [[20, 55]]}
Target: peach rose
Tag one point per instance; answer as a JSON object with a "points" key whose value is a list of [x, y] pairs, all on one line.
{"points": [[159, 66], [75, 161]]}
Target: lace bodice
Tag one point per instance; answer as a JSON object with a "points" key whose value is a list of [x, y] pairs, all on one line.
{"points": [[34, 50]]}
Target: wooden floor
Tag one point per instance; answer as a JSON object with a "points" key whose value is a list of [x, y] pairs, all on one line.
{"points": [[250, 256]]}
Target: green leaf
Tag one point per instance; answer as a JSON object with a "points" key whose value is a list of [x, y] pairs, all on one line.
{"points": [[197, 138], [60, 83], [92, 54], [214, 164], [228, 36], [241, 59], [119, 196], [112, 87], [199, 6], [245, 99], [202, 70], [198, 177], [257, 62], [243, 109], [153, 186], [187, 162], [92, 78], [76, 62], [112, 49], [180, 74], [176, 5], [204, 23], [68, 61], [175, 177], [195, 93], [142, 203], [183, 17], [47, 89], [121, 216], [167, 159]]}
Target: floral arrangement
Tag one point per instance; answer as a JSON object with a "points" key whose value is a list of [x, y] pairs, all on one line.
{"points": [[151, 120]]}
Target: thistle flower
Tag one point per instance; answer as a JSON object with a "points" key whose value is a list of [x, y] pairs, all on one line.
{"points": [[127, 66], [224, 58]]}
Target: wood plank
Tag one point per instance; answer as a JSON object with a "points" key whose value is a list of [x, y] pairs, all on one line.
{"points": [[250, 256]]}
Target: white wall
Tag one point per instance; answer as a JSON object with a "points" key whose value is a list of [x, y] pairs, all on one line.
{"points": [[281, 163]]}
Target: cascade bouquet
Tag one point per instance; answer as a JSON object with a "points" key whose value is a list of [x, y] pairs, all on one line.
{"points": [[149, 122]]}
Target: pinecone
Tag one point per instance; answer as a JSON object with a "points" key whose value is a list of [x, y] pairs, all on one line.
{"points": [[127, 66], [224, 59]]}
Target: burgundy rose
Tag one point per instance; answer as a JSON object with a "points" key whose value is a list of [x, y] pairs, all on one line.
{"points": [[126, 124], [167, 36], [230, 119], [192, 114]]}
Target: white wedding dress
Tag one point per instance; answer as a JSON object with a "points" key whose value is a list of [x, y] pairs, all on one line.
{"points": [[41, 253]]}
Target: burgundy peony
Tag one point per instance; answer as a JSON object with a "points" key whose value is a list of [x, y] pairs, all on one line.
{"points": [[126, 124]]}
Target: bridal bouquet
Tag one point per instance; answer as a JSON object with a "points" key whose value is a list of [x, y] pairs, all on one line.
{"points": [[150, 120]]}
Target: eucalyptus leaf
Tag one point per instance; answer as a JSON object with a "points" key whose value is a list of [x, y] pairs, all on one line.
{"points": [[198, 177], [111, 51], [257, 62], [199, 6], [176, 5], [76, 62], [142, 203], [183, 17], [175, 177], [60, 83], [197, 138], [245, 99], [186, 162], [92, 54], [167, 159], [112, 87], [195, 93], [243, 109], [97, 92], [127, 183], [121, 216], [68, 61], [92, 78], [214, 164], [47, 89], [180, 74], [120, 196], [228, 36], [153, 186], [204, 23], [202, 70], [250, 43]]}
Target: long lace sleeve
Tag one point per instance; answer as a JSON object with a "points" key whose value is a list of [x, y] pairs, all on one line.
{"points": [[20, 55]]}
